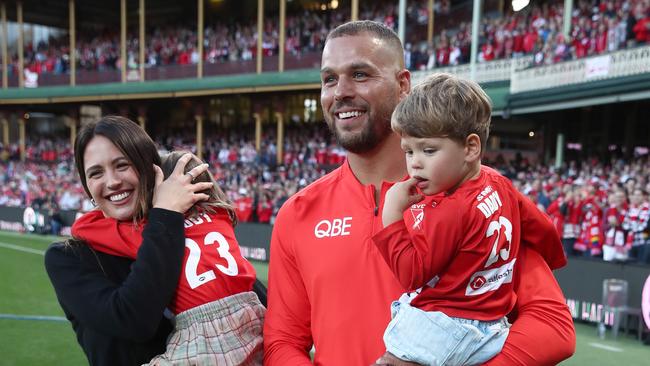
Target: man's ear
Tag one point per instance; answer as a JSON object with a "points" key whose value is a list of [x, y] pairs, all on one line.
{"points": [[404, 80], [472, 148]]}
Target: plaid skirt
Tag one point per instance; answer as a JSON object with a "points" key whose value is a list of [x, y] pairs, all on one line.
{"points": [[223, 332]]}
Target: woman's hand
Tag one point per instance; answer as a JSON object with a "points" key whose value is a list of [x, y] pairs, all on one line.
{"points": [[178, 193]]}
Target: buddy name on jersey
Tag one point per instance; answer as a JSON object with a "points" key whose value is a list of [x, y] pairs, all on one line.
{"points": [[489, 201], [196, 220]]}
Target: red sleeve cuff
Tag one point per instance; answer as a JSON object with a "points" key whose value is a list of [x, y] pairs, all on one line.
{"points": [[384, 236]]}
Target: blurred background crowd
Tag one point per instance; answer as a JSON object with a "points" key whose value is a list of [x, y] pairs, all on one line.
{"points": [[601, 208]]}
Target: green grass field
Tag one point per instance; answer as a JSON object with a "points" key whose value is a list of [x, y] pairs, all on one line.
{"points": [[26, 291]]}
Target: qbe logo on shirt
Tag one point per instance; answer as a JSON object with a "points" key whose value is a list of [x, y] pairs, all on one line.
{"points": [[332, 228]]}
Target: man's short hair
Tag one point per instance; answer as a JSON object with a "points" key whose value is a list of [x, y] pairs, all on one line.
{"points": [[357, 27], [444, 105]]}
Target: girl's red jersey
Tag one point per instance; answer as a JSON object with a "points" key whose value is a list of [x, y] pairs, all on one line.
{"points": [[214, 267]]}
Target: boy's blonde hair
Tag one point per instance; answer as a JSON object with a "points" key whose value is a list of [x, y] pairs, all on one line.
{"points": [[444, 105], [217, 200]]}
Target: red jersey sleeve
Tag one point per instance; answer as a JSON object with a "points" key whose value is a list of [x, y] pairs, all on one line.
{"points": [[543, 316], [539, 233], [416, 257], [287, 327], [108, 235]]}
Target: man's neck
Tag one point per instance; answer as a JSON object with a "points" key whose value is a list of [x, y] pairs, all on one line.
{"points": [[385, 163]]}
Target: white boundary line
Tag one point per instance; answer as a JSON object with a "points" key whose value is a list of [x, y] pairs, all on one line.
{"points": [[21, 248], [28, 317], [34, 317], [605, 347]]}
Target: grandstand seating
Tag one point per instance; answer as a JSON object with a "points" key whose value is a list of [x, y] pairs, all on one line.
{"points": [[598, 26]]}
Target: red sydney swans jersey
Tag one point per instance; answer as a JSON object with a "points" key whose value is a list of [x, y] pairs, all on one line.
{"points": [[214, 267], [460, 250]]}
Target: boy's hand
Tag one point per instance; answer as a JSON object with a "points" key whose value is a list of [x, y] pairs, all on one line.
{"points": [[399, 197], [388, 359]]}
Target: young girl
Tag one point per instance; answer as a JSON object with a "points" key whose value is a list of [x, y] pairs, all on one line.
{"points": [[218, 318]]}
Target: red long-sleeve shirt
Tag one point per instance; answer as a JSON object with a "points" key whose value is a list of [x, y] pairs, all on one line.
{"points": [[330, 287], [462, 248], [213, 265]]}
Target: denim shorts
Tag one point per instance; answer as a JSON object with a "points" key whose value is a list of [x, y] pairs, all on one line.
{"points": [[433, 338]]}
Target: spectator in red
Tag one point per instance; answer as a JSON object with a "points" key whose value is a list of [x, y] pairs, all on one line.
{"points": [[642, 27], [184, 56], [264, 207], [601, 39], [518, 42], [554, 211], [530, 39], [615, 247], [243, 206], [572, 213], [581, 45], [591, 238], [487, 51]]}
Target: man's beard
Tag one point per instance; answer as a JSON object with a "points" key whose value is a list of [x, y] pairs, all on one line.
{"points": [[374, 133]]}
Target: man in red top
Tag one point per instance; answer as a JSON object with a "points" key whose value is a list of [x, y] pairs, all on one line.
{"points": [[329, 287]]}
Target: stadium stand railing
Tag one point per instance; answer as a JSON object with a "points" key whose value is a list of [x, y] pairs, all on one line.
{"points": [[609, 66], [486, 72]]}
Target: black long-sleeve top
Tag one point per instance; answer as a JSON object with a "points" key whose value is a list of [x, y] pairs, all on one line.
{"points": [[116, 304]]}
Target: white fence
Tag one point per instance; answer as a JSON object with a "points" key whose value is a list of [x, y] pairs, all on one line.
{"points": [[500, 70], [524, 78], [613, 65]]}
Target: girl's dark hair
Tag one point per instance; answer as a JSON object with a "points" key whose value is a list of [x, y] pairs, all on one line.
{"points": [[136, 146], [218, 199]]}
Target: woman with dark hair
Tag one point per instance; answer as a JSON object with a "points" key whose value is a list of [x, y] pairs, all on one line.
{"points": [[115, 304], [219, 318]]}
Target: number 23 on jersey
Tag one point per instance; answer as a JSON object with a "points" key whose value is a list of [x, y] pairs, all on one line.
{"points": [[192, 264]]}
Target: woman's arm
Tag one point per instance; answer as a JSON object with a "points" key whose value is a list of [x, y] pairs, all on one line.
{"points": [[132, 309], [542, 317]]}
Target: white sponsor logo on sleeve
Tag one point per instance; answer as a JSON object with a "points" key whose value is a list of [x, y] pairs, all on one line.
{"points": [[490, 280]]}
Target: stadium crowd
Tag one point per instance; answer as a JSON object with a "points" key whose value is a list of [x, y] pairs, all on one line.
{"points": [[601, 209], [598, 26], [253, 181]]}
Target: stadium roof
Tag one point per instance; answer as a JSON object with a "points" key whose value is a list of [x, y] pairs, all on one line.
{"points": [[54, 13], [105, 14]]}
